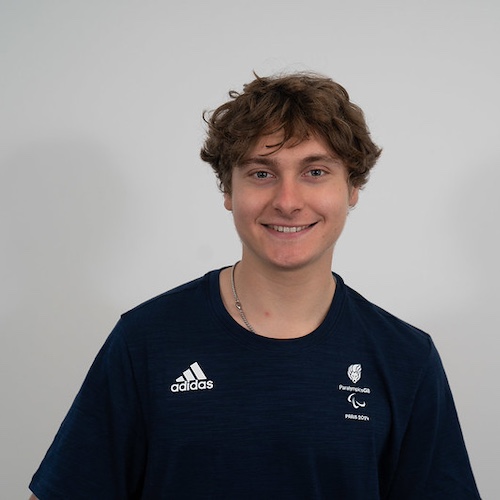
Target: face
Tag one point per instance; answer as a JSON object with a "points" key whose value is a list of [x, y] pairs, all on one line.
{"points": [[290, 206]]}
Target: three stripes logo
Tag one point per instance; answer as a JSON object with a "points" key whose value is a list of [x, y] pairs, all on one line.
{"points": [[192, 379]]}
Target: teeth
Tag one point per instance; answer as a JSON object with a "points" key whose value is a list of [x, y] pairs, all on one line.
{"points": [[288, 229]]}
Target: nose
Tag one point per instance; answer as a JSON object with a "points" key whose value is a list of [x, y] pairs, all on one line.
{"points": [[288, 197]]}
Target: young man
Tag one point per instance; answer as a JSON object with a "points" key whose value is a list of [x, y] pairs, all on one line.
{"points": [[270, 378]]}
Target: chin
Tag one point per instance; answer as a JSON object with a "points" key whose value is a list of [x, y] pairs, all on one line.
{"points": [[296, 263]]}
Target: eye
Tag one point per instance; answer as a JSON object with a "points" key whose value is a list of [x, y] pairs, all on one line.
{"points": [[315, 172], [261, 174]]}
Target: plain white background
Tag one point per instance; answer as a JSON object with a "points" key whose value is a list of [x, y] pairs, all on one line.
{"points": [[104, 201]]}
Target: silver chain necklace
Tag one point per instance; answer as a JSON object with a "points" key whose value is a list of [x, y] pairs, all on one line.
{"points": [[237, 302]]}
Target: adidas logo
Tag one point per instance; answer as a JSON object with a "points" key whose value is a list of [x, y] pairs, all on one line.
{"points": [[192, 379]]}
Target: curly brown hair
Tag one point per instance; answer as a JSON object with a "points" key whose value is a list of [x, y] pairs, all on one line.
{"points": [[298, 104]]}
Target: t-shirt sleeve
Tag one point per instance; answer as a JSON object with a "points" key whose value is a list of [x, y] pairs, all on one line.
{"points": [[433, 462], [99, 451]]}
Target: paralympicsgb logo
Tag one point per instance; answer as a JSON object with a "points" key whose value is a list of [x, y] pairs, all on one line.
{"points": [[357, 395], [354, 373]]}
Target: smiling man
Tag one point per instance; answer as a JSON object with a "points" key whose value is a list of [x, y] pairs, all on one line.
{"points": [[271, 378], [289, 203]]}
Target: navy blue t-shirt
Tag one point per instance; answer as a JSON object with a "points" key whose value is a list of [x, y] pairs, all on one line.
{"points": [[183, 403]]}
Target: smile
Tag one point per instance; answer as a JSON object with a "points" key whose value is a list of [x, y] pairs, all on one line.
{"points": [[288, 229]]}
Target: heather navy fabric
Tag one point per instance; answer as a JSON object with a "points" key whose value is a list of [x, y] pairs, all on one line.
{"points": [[183, 403]]}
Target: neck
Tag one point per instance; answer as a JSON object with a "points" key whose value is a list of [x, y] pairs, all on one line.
{"points": [[278, 303]]}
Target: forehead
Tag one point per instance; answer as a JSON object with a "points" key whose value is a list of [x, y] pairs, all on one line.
{"points": [[272, 146]]}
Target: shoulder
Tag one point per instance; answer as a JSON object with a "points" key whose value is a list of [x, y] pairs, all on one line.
{"points": [[176, 300], [175, 311], [390, 334]]}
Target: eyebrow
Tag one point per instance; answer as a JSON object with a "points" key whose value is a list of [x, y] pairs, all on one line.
{"points": [[271, 162]]}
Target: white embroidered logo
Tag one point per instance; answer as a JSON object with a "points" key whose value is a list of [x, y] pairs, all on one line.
{"points": [[192, 379], [357, 395], [355, 403], [354, 373]]}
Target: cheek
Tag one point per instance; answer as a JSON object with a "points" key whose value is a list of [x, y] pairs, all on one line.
{"points": [[336, 205], [242, 212], [244, 205]]}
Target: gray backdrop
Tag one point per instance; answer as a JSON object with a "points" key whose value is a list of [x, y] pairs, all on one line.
{"points": [[105, 203]]}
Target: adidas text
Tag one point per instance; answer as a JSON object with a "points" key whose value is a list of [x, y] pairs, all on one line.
{"points": [[194, 385]]}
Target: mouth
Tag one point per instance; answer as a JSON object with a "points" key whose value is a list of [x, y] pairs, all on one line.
{"points": [[288, 229]]}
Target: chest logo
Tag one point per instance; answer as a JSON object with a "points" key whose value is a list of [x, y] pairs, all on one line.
{"points": [[357, 397], [354, 373], [192, 379], [355, 403]]}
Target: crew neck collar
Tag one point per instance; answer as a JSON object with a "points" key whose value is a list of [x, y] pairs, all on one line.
{"points": [[285, 346]]}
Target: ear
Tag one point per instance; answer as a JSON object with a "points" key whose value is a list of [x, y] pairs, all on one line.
{"points": [[353, 196], [228, 202]]}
